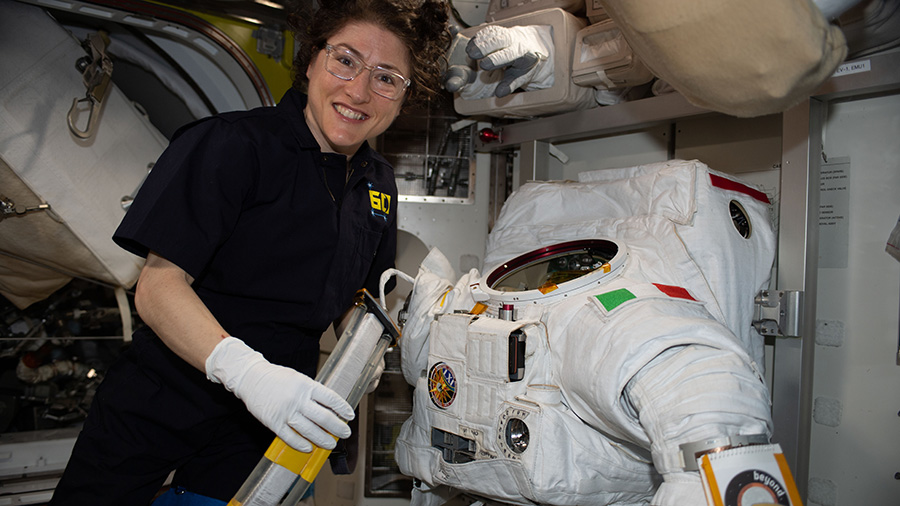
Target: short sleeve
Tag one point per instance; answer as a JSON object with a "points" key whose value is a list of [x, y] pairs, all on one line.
{"points": [[192, 198]]}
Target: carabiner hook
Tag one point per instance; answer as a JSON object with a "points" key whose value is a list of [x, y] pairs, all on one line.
{"points": [[96, 69], [88, 132]]}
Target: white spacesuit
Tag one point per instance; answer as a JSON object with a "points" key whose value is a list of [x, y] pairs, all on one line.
{"points": [[613, 327]]}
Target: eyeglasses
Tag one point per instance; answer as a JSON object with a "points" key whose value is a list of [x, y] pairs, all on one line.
{"points": [[344, 64]]}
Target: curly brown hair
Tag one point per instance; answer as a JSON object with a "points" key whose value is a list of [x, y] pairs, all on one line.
{"points": [[420, 24]]}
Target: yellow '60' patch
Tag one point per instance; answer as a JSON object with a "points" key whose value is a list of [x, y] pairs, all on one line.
{"points": [[381, 202]]}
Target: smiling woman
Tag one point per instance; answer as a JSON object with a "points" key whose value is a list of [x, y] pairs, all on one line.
{"points": [[261, 224], [345, 112], [364, 36], [423, 34]]}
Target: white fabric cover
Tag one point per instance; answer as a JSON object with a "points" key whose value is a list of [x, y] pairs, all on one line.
{"points": [[641, 377], [83, 181], [744, 58]]}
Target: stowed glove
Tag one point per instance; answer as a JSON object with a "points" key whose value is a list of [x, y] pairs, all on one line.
{"points": [[512, 58], [298, 409]]}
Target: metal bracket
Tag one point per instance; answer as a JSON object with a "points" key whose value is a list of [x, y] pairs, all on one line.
{"points": [[269, 42], [778, 313], [8, 208]]}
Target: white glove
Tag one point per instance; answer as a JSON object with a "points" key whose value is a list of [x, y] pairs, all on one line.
{"points": [[298, 409], [524, 54]]}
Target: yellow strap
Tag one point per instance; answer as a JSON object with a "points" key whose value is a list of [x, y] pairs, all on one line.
{"points": [[280, 453], [706, 468], [314, 464], [788, 480]]}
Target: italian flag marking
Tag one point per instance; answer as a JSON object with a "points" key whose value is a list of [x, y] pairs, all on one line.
{"points": [[615, 298]]}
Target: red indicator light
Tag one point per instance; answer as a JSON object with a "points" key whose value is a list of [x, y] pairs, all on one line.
{"points": [[487, 135]]}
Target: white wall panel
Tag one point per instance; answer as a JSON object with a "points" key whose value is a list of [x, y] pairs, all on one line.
{"points": [[855, 449]]}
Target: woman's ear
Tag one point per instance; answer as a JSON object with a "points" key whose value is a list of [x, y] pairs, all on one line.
{"points": [[312, 61]]}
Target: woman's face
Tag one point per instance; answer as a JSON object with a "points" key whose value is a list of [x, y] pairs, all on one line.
{"points": [[347, 113]]}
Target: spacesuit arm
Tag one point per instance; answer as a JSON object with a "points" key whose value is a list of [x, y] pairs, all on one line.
{"points": [[674, 399], [432, 284], [433, 293]]}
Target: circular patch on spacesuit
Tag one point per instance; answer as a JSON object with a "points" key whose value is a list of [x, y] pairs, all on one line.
{"points": [[441, 385], [755, 487], [740, 219]]}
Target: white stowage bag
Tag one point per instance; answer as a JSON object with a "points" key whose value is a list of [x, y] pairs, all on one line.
{"points": [[733, 56], [617, 373], [42, 162]]}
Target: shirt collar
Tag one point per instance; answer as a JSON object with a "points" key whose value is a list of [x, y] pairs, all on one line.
{"points": [[293, 103]]}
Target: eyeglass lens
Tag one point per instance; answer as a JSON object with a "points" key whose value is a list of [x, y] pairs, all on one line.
{"points": [[342, 63]]}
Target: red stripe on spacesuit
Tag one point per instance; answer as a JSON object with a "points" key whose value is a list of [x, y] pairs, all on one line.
{"points": [[727, 184], [674, 291]]}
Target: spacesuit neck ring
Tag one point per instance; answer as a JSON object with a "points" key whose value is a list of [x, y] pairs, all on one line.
{"points": [[551, 273]]}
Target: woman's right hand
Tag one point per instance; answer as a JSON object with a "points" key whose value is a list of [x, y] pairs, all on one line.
{"points": [[298, 409]]}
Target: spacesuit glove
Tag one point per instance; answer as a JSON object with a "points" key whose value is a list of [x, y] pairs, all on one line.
{"points": [[298, 409], [523, 53]]}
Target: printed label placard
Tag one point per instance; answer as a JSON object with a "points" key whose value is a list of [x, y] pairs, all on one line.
{"points": [[748, 476]]}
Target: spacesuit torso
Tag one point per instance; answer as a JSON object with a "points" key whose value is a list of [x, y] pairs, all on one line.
{"points": [[541, 383], [490, 417], [515, 435]]}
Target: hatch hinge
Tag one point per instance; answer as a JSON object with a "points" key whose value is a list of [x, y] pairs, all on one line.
{"points": [[778, 313]]}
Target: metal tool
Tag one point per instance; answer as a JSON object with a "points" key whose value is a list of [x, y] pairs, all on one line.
{"points": [[284, 474]]}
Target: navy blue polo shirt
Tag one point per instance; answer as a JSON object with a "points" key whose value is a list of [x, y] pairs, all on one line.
{"points": [[249, 206]]}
